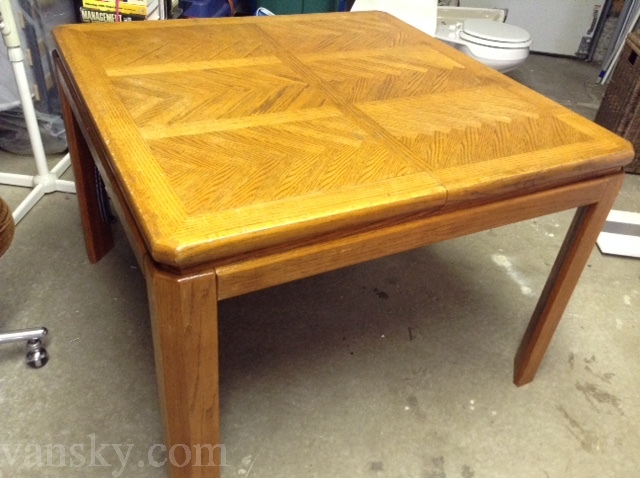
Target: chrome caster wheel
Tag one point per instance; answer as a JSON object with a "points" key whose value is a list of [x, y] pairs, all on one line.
{"points": [[37, 356]]}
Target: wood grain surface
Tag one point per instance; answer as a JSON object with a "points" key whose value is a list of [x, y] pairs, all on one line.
{"points": [[242, 153], [273, 267], [185, 344], [572, 258], [232, 135]]}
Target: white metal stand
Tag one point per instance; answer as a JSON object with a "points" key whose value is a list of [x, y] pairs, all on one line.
{"points": [[45, 181]]}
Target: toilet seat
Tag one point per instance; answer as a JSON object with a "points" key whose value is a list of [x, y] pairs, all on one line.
{"points": [[493, 34], [497, 45]]}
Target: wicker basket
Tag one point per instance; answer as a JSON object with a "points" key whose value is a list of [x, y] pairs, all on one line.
{"points": [[7, 227], [620, 108]]}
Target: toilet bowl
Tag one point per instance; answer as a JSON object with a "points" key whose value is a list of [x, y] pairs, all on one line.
{"points": [[482, 36], [477, 32]]}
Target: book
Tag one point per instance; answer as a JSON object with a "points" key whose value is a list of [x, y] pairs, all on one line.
{"points": [[88, 15], [126, 7]]}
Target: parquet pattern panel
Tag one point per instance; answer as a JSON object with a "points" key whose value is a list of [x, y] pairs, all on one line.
{"points": [[269, 163], [223, 132]]}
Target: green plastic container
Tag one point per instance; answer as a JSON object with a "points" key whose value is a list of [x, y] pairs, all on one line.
{"points": [[287, 7]]}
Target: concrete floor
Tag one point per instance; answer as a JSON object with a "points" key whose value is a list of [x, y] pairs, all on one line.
{"points": [[400, 367]]}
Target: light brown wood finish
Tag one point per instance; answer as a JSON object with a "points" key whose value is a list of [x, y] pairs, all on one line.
{"points": [[276, 148], [97, 233], [272, 267], [185, 341], [572, 258], [265, 132]]}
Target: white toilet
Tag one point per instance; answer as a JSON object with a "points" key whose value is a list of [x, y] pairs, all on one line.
{"points": [[477, 32]]}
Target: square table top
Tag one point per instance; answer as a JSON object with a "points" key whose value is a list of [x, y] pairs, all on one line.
{"points": [[230, 135]]}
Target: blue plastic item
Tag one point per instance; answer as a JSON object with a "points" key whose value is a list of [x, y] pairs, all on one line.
{"points": [[207, 9]]}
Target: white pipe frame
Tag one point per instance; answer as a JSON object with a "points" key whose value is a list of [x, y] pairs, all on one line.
{"points": [[45, 181]]}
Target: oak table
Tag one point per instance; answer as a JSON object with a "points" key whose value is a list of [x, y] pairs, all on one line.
{"points": [[242, 153]]}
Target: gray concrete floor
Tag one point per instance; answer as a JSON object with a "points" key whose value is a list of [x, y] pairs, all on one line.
{"points": [[400, 367]]}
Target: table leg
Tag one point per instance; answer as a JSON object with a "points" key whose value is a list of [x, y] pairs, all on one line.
{"points": [[97, 233], [572, 258], [185, 339]]}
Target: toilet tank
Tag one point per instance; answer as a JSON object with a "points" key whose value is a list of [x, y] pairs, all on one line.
{"points": [[460, 14]]}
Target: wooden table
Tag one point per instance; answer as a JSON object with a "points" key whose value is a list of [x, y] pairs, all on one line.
{"points": [[243, 153]]}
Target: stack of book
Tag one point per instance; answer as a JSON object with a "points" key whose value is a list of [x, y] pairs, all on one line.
{"points": [[92, 11]]}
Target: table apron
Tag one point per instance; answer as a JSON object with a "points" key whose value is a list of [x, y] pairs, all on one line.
{"points": [[273, 268], [289, 262]]}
